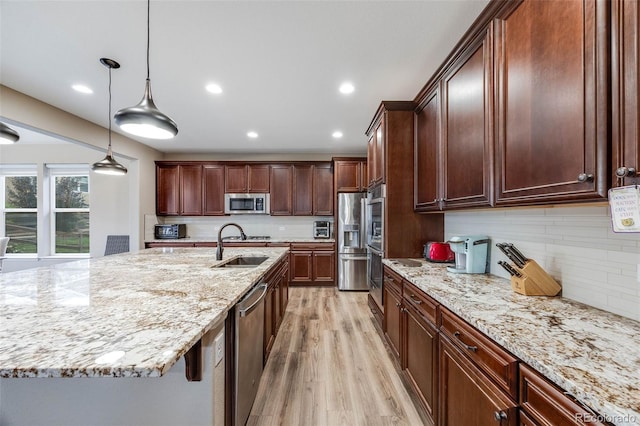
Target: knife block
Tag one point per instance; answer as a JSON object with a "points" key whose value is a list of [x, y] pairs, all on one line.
{"points": [[534, 281]]}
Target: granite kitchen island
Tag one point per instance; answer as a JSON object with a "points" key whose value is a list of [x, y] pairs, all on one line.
{"points": [[89, 342]]}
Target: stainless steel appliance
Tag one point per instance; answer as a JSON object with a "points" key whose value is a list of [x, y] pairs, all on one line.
{"points": [[249, 335], [321, 229], [375, 242], [352, 251], [170, 231], [246, 203]]}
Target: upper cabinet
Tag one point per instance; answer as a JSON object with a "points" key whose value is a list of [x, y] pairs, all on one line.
{"points": [[178, 189], [302, 190], [312, 189], [467, 138], [551, 101], [350, 174], [281, 190], [213, 188], [323, 190], [626, 92], [427, 153], [247, 178]]}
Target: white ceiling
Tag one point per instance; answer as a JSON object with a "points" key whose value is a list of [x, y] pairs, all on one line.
{"points": [[279, 63]]}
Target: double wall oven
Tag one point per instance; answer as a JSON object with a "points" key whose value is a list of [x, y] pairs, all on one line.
{"points": [[375, 241]]}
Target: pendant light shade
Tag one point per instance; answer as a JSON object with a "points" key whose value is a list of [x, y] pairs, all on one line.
{"points": [[108, 165], [8, 135], [145, 119]]}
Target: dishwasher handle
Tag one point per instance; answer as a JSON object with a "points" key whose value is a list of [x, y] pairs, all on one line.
{"points": [[243, 312]]}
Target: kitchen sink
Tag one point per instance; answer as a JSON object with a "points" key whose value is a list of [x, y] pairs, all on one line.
{"points": [[242, 262]]}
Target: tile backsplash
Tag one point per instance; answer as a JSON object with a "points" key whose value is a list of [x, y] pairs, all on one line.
{"points": [[206, 227], [576, 245]]}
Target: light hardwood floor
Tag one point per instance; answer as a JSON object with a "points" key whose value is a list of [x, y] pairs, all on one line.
{"points": [[329, 366]]}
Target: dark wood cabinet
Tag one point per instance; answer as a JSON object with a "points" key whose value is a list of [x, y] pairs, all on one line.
{"points": [[312, 264], [466, 396], [269, 322], [302, 190], [392, 325], [626, 92], [276, 300], [467, 139], [281, 183], [241, 178], [178, 189], [323, 192], [544, 403], [350, 174], [551, 65], [427, 154], [213, 189], [376, 153]]}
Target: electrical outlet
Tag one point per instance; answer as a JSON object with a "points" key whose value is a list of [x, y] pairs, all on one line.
{"points": [[281, 228], [218, 345]]}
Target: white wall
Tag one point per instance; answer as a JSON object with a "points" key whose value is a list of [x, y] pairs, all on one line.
{"points": [[135, 200], [576, 245]]}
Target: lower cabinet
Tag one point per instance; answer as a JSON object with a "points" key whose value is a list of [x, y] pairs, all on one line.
{"points": [[466, 395], [312, 264], [276, 301]]}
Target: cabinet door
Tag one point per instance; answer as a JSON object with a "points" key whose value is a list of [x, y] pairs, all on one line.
{"points": [[302, 190], [364, 176], [551, 73], [466, 396], [281, 186], [467, 139], [191, 190], [427, 154], [213, 181], [284, 289], [235, 179], [379, 156], [300, 267], [626, 92], [371, 159], [323, 190], [167, 190], [269, 322], [392, 320], [258, 178], [347, 176], [420, 355], [323, 267]]}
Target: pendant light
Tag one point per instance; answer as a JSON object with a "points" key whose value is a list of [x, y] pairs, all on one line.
{"points": [[145, 119], [109, 166], [8, 135]]}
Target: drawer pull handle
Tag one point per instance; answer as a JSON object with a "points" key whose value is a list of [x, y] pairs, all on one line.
{"points": [[499, 416], [414, 300], [471, 348]]}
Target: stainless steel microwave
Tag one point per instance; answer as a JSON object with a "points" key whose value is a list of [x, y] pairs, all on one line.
{"points": [[246, 203]]}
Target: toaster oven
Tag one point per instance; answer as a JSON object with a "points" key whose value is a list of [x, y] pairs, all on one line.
{"points": [[170, 231]]}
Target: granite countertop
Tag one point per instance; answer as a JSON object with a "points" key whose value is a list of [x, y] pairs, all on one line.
{"points": [[592, 354], [238, 240], [126, 315]]}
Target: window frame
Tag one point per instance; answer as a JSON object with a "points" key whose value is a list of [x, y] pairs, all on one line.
{"points": [[19, 170], [65, 170]]}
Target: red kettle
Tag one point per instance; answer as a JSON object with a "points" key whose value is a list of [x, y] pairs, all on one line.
{"points": [[438, 252]]}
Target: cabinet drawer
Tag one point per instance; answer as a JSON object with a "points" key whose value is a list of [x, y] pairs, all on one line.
{"points": [[497, 363], [424, 305], [392, 281], [547, 404], [312, 246]]}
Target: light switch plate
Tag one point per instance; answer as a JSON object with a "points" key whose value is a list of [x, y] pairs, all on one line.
{"points": [[218, 347]]}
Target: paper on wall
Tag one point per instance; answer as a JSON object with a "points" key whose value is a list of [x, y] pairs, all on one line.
{"points": [[625, 208]]}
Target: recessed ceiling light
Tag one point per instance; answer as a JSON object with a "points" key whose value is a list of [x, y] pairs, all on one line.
{"points": [[82, 89], [346, 88], [337, 134], [214, 88], [252, 135]]}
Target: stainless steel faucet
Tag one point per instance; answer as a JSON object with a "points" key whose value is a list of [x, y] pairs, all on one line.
{"points": [[220, 249]]}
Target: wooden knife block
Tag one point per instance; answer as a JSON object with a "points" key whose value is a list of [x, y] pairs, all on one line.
{"points": [[534, 281]]}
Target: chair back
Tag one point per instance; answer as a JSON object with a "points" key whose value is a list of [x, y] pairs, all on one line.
{"points": [[116, 244]]}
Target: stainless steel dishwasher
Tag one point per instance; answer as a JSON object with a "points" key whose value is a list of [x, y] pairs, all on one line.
{"points": [[249, 338]]}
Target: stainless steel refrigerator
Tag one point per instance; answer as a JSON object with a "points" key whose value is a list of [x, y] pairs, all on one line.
{"points": [[352, 247]]}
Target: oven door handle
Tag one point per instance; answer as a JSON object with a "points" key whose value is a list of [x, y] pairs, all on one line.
{"points": [[375, 251]]}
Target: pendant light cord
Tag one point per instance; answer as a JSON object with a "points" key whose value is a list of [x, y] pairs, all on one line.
{"points": [[109, 151], [148, 35]]}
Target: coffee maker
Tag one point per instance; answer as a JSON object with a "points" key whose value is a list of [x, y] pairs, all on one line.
{"points": [[471, 254]]}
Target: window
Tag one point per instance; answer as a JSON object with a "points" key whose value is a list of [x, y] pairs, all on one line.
{"points": [[20, 208], [70, 211]]}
